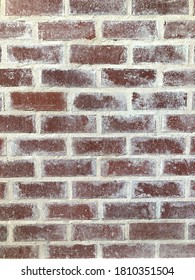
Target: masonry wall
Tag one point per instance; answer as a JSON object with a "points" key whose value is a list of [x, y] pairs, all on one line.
{"points": [[97, 127]]}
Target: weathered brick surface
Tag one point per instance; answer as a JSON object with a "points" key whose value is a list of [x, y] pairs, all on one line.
{"points": [[97, 123]]}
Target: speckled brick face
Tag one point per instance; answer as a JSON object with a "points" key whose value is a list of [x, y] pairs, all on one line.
{"points": [[97, 123]]}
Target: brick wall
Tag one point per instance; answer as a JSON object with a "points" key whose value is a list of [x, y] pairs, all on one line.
{"points": [[97, 119]]}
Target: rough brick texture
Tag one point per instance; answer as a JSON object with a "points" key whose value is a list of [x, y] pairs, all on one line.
{"points": [[97, 129]]}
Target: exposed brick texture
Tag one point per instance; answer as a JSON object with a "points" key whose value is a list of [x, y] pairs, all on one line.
{"points": [[97, 129]]}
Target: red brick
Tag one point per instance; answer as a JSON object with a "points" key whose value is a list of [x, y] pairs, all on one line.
{"points": [[38, 147], [17, 212], [99, 101], [91, 7], [3, 233], [137, 30], [192, 146], [130, 210], [17, 124], [77, 251], [155, 231], [68, 78], [39, 232], [17, 168], [38, 101], [97, 232], [126, 167], [72, 211], [177, 250], [2, 147], [128, 251], [183, 167], [68, 124], [16, 77], [66, 30], [99, 189], [33, 8], [179, 78], [19, 252], [148, 145], [69, 168], [40, 190], [178, 210], [3, 190], [191, 231], [159, 100], [15, 30], [98, 54], [149, 189], [160, 54], [192, 188], [160, 7], [99, 146], [130, 124], [180, 123], [35, 54], [128, 78], [179, 29]]}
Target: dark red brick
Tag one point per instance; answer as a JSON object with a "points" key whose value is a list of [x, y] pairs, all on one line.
{"points": [[15, 30], [179, 29], [181, 123], [17, 168], [177, 250], [128, 77], [178, 210], [179, 78], [19, 252], [72, 211], [3, 190], [3, 233], [155, 231], [130, 210], [17, 124], [77, 251], [2, 147], [16, 77], [192, 146], [99, 189], [17, 212], [183, 167]]}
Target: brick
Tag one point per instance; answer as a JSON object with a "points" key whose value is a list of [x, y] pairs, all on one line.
{"points": [[15, 30], [66, 30], [159, 100], [35, 54], [160, 54], [135, 30], [192, 188], [33, 8], [128, 78], [178, 210], [77, 251], [68, 124], [72, 211], [19, 252], [41, 190], [3, 233], [177, 250], [16, 77], [130, 124], [156, 231], [160, 7], [193, 96], [125, 167], [68, 78], [180, 123], [128, 251], [17, 212], [99, 101], [99, 146], [3, 190], [191, 231], [69, 168], [97, 232], [192, 146], [91, 7], [17, 124], [39, 232], [38, 147], [18, 168], [99, 189], [82, 54], [148, 145], [179, 78], [2, 147], [149, 189], [179, 29], [38, 101], [129, 210], [183, 167]]}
